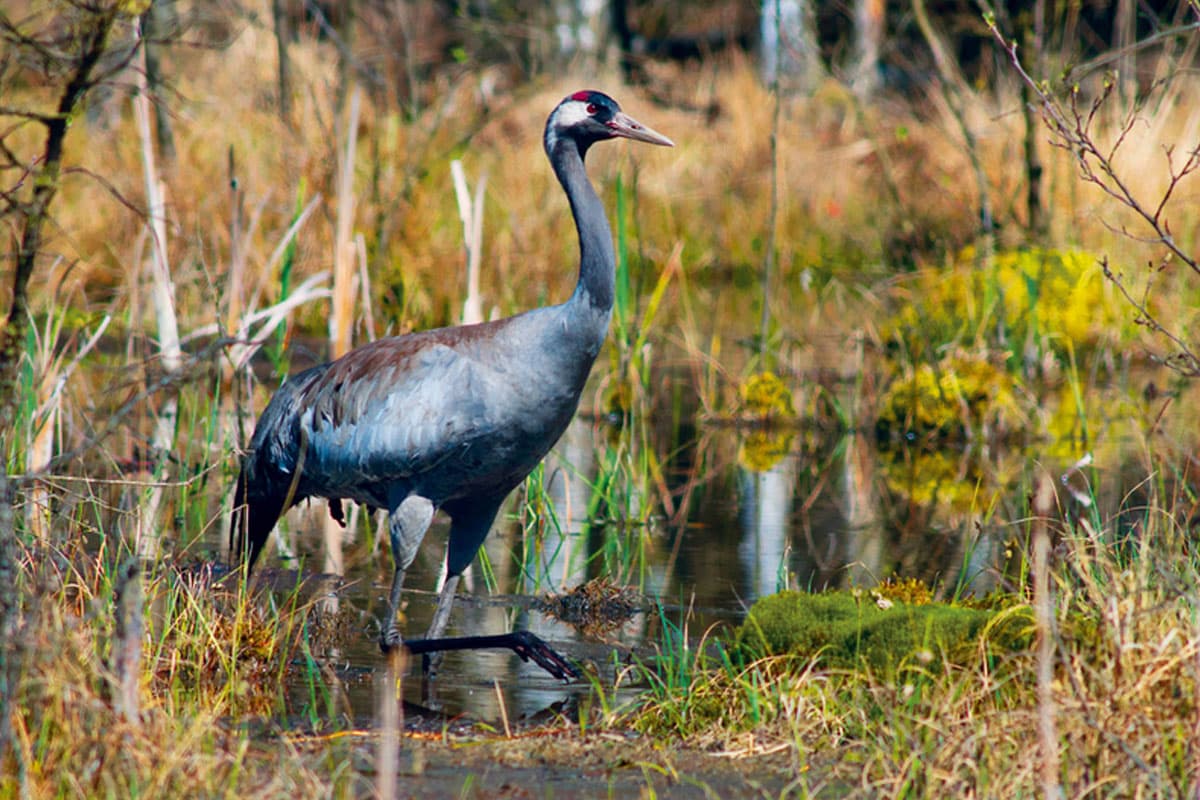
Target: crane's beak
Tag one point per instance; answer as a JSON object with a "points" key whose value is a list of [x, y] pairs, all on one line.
{"points": [[626, 126]]}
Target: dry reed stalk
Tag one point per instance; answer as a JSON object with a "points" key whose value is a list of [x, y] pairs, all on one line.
{"points": [[127, 642], [503, 708], [1044, 614], [470, 212], [364, 277], [54, 375], [768, 269], [390, 717], [164, 294], [170, 351], [281, 248], [251, 338], [234, 285], [341, 318]]}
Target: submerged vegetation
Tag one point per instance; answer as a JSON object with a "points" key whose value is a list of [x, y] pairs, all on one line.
{"points": [[938, 477]]}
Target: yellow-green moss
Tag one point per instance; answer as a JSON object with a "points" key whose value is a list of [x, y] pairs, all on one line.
{"points": [[765, 396], [963, 392], [849, 630], [762, 449], [1022, 299], [972, 480], [906, 590]]}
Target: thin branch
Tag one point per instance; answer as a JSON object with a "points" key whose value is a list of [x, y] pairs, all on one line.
{"points": [[1071, 130]]}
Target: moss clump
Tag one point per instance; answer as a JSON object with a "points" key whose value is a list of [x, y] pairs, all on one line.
{"points": [[1028, 301], [849, 630], [964, 394], [766, 397], [913, 591], [596, 608]]}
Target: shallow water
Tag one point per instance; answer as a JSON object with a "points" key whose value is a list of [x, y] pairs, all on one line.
{"points": [[830, 512]]}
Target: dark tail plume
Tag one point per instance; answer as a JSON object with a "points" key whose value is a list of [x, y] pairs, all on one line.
{"points": [[270, 476], [257, 506]]}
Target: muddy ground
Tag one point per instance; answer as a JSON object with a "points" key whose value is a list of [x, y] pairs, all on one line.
{"points": [[557, 762]]}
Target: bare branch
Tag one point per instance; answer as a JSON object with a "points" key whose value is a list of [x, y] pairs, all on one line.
{"points": [[1184, 356], [1071, 130]]}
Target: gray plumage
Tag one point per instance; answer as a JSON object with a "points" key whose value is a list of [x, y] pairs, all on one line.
{"points": [[452, 418]]}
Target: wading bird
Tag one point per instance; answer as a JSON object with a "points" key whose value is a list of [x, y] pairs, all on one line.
{"points": [[452, 418]]}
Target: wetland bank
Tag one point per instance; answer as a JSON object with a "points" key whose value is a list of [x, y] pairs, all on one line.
{"points": [[857, 366]]}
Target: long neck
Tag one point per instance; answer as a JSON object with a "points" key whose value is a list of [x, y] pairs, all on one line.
{"points": [[596, 259]]}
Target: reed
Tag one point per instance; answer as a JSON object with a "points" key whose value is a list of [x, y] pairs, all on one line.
{"points": [[198, 715]]}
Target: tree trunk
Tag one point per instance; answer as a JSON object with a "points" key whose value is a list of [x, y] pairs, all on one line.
{"points": [[93, 42], [157, 23], [90, 39], [790, 54], [282, 35]]}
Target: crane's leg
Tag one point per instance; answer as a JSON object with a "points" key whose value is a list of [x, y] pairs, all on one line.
{"points": [[432, 662], [471, 523], [407, 523], [445, 602], [469, 527]]}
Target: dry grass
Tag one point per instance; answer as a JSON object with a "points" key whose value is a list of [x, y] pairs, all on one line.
{"points": [[840, 163], [864, 190], [212, 663], [1120, 699]]}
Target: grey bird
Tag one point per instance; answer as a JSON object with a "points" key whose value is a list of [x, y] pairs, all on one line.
{"points": [[451, 418]]}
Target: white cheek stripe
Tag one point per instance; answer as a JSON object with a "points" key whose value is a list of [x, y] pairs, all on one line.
{"points": [[571, 113]]}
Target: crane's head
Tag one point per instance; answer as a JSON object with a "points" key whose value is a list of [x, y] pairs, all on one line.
{"points": [[587, 117]]}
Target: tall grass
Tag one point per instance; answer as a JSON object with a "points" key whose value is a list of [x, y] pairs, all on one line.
{"points": [[1110, 691], [211, 656], [691, 230]]}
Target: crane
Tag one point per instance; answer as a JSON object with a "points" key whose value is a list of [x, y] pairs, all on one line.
{"points": [[450, 418]]}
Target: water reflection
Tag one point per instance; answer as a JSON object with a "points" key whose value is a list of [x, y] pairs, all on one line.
{"points": [[765, 494], [754, 512], [559, 558]]}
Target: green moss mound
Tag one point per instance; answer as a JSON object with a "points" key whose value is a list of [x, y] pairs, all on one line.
{"points": [[849, 630]]}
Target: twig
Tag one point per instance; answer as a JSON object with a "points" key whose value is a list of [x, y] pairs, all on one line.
{"points": [[311, 289], [1044, 613], [503, 708], [390, 717], [1070, 128], [281, 248], [167, 380]]}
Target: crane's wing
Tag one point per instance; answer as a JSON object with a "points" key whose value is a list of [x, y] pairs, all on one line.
{"points": [[393, 410]]}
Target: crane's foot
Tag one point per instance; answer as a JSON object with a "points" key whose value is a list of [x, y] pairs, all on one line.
{"points": [[531, 648], [525, 644], [390, 639]]}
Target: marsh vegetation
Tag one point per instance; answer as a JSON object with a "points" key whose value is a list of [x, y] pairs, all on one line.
{"points": [[869, 370]]}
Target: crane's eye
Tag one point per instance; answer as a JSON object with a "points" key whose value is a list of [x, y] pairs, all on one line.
{"points": [[591, 108]]}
